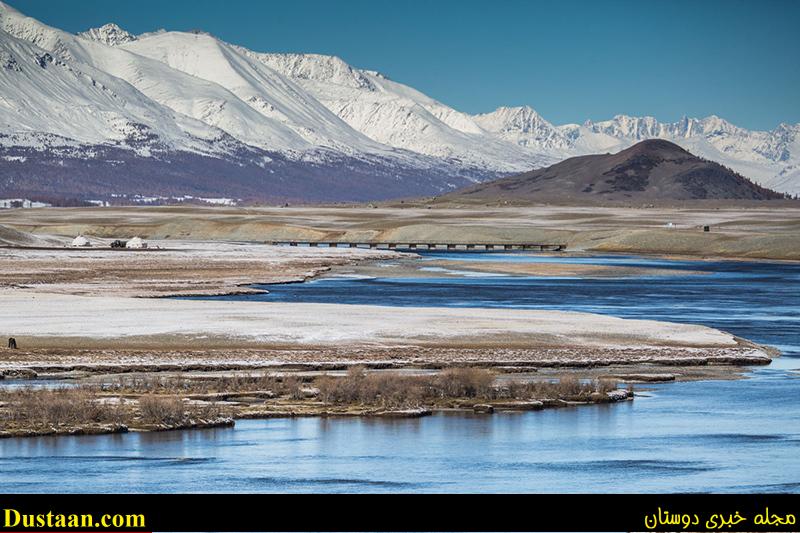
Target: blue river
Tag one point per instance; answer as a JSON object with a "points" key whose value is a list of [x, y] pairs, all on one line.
{"points": [[707, 436]]}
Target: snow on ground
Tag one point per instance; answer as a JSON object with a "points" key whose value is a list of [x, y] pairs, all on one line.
{"points": [[58, 315]]}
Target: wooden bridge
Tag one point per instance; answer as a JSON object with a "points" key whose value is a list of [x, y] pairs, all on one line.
{"points": [[441, 246]]}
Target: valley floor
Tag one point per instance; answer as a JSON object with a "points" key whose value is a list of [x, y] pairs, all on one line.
{"points": [[753, 230], [96, 313]]}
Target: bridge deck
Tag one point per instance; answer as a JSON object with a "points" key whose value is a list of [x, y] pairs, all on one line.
{"points": [[549, 247]]}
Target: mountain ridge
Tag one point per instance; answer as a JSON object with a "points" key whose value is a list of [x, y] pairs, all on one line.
{"points": [[169, 94]]}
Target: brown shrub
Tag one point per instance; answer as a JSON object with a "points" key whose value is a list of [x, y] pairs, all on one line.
{"points": [[605, 385], [465, 383], [162, 409], [570, 386], [204, 384], [396, 390], [567, 387], [392, 390], [61, 406], [382, 389], [161, 401]]}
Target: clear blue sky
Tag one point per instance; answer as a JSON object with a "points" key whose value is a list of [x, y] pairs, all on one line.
{"points": [[569, 60]]}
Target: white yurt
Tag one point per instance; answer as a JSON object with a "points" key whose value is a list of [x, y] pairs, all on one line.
{"points": [[136, 242], [80, 240]]}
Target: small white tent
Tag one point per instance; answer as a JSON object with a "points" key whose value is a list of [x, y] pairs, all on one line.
{"points": [[80, 240], [136, 242]]}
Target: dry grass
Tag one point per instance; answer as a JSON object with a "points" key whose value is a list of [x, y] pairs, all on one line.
{"points": [[62, 406], [385, 389], [465, 382], [568, 387], [162, 410], [394, 391], [87, 405], [249, 382], [172, 410]]}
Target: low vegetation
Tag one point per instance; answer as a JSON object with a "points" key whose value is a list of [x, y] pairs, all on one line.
{"points": [[88, 409], [280, 384], [164, 402], [399, 391], [172, 410], [53, 407]]}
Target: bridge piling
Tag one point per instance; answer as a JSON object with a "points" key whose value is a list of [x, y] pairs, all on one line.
{"points": [[450, 246]]}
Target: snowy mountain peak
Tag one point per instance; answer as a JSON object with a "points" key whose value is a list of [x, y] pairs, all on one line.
{"points": [[786, 127], [109, 34], [781, 143], [636, 128], [711, 125], [523, 126], [33, 31], [315, 68], [523, 119], [639, 128]]}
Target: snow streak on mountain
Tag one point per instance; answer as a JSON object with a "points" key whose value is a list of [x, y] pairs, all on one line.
{"points": [[107, 113]]}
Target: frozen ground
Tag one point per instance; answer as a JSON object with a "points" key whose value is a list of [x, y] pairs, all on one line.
{"points": [[197, 321]]}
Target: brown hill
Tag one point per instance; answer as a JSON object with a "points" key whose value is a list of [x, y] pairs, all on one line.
{"points": [[650, 171]]}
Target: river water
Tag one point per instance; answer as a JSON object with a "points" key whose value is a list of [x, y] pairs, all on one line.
{"points": [[720, 436]]}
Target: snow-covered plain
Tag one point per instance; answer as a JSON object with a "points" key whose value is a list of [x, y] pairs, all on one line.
{"points": [[168, 90], [59, 315]]}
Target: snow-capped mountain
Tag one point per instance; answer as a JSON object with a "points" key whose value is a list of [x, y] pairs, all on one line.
{"points": [[180, 92], [82, 118], [109, 34], [525, 127], [44, 99], [399, 116], [108, 112], [273, 96]]}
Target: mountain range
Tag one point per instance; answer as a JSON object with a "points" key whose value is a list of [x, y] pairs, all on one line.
{"points": [[106, 114]]}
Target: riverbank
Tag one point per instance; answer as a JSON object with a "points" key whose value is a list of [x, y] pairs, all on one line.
{"points": [[551, 266], [170, 268], [668, 439]]}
